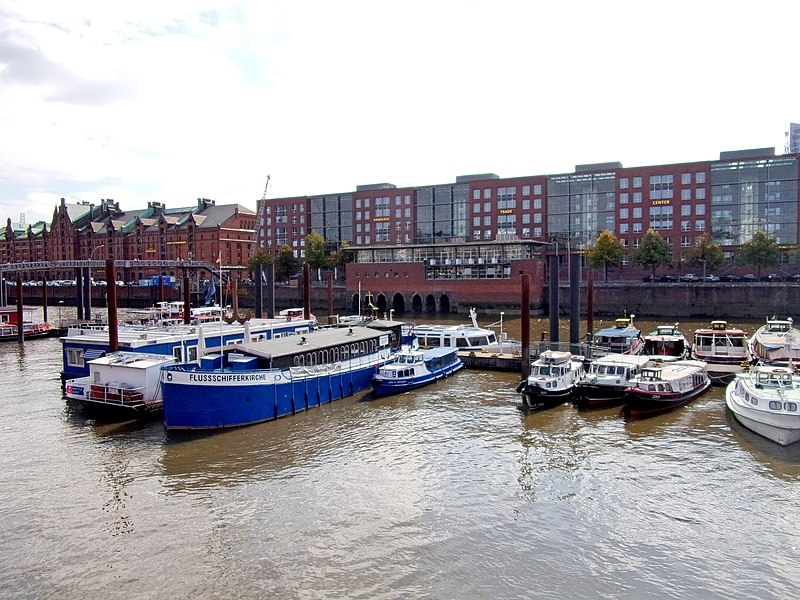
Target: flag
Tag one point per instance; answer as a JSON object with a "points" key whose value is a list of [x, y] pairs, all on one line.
{"points": [[219, 258], [212, 290], [229, 284]]}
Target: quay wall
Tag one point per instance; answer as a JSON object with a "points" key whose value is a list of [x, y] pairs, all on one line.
{"points": [[708, 300]]}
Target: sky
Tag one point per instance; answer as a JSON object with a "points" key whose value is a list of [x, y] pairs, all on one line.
{"points": [[170, 101]]}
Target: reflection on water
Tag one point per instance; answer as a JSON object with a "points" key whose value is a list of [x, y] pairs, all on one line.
{"points": [[448, 491]]}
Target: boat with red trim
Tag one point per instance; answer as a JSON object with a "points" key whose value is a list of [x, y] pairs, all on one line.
{"points": [[660, 388], [9, 325]]}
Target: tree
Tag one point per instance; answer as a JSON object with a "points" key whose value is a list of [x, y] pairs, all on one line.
{"points": [[285, 263], [707, 254], [654, 252], [761, 251], [260, 257], [607, 251], [316, 251]]}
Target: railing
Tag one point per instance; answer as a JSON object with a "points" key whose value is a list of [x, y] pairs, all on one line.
{"points": [[118, 395]]}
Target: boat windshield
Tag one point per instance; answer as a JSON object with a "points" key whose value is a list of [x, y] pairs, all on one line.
{"points": [[775, 379]]}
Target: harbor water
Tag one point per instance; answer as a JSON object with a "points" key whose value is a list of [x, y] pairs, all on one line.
{"points": [[444, 492]]}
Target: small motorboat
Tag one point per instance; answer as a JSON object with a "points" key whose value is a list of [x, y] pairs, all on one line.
{"points": [[607, 378], [766, 400], [667, 342], [413, 368], [777, 342], [552, 381], [720, 344], [666, 386], [622, 338]]}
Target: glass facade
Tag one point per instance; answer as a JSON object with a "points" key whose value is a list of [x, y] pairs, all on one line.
{"points": [[581, 206], [752, 195], [332, 217], [442, 213]]}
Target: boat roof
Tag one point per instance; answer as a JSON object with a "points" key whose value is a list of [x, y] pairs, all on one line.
{"points": [[624, 359], [720, 327], [676, 369], [135, 360], [307, 342], [617, 332]]}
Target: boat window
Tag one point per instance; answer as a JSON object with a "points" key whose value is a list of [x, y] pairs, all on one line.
{"points": [[790, 406], [446, 341], [75, 357], [461, 343], [543, 370], [176, 352], [479, 341], [651, 388], [775, 405], [660, 387], [191, 353]]}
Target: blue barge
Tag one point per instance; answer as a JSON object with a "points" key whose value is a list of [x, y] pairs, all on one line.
{"points": [[253, 382]]}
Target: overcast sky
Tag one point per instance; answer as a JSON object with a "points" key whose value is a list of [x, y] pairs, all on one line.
{"points": [[172, 100]]}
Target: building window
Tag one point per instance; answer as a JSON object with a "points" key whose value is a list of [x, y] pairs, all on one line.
{"points": [[637, 182], [686, 210], [685, 241], [623, 183], [526, 218], [700, 194], [537, 204], [700, 177], [637, 228], [526, 204], [537, 189], [686, 194], [623, 228], [700, 209], [476, 221], [686, 225], [476, 194], [686, 178], [537, 232], [487, 221], [526, 190], [623, 198], [623, 213], [660, 187], [487, 193], [700, 225], [487, 207], [526, 232], [358, 202], [637, 197], [476, 208], [637, 212], [537, 217]]}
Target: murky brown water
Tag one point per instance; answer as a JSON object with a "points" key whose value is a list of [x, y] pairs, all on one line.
{"points": [[446, 492]]}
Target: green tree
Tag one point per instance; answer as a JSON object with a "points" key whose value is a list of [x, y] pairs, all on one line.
{"points": [[761, 251], [344, 254], [260, 257], [286, 264], [316, 251], [706, 254], [607, 251], [654, 252]]}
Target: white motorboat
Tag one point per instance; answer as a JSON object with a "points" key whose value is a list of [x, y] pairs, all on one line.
{"points": [[552, 381], [777, 342], [467, 338], [666, 386], [666, 342], [607, 378], [721, 344], [766, 400]]}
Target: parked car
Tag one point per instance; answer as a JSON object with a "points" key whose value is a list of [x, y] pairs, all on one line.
{"points": [[689, 278], [729, 278], [772, 277], [795, 278], [711, 278], [668, 278], [749, 278]]}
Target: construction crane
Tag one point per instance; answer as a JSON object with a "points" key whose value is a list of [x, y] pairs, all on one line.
{"points": [[261, 211]]}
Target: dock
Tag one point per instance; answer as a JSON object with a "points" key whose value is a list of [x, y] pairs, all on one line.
{"points": [[491, 361]]}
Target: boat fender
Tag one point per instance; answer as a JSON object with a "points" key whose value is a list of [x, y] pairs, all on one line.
{"points": [[521, 385]]}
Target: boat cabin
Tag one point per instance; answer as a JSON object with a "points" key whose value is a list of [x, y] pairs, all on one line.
{"points": [[774, 378], [779, 326], [551, 364]]}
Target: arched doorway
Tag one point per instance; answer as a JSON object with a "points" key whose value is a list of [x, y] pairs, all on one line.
{"points": [[416, 303], [354, 304], [444, 303], [399, 303], [430, 303], [380, 302]]}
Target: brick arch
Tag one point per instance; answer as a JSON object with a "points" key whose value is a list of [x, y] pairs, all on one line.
{"points": [[399, 303]]}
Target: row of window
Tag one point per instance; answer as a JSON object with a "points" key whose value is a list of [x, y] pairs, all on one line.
{"points": [[383, 202], [662, 181]]}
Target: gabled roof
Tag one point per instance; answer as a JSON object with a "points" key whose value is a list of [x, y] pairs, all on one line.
{"points": [[215, 215]]}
